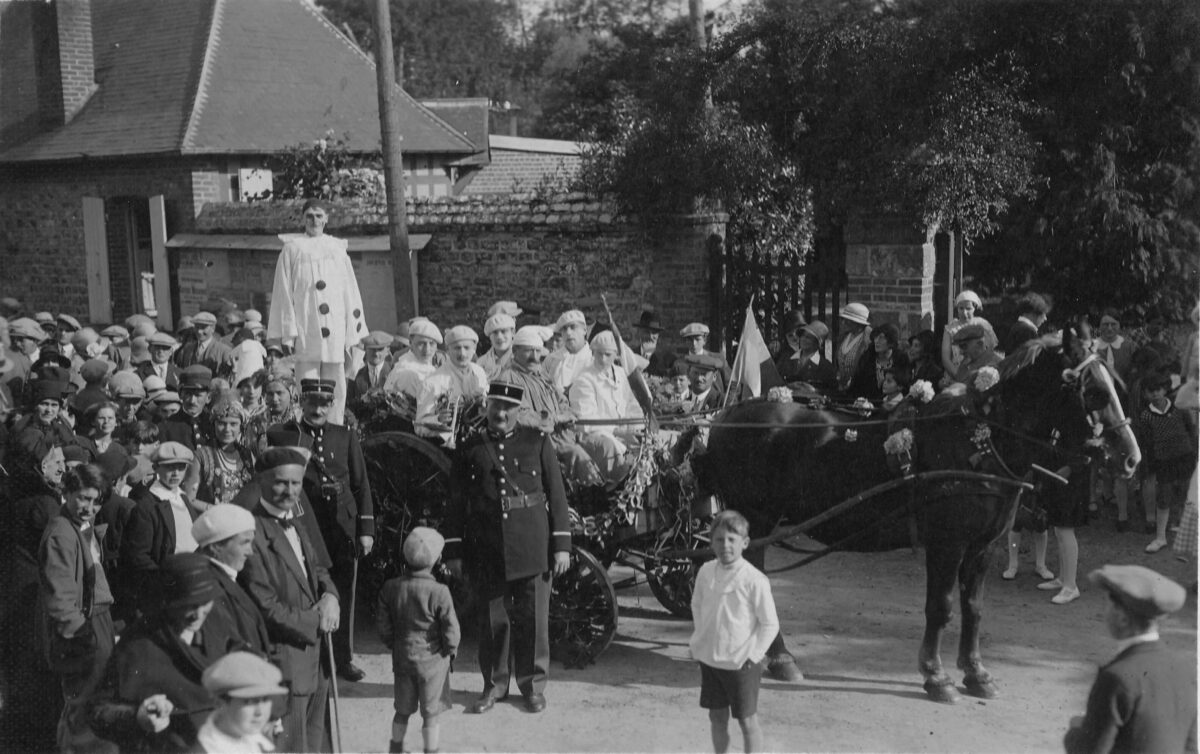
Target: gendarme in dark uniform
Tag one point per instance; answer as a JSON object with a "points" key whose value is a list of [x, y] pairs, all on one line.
{"points": [[336, 484], [508, 518]]}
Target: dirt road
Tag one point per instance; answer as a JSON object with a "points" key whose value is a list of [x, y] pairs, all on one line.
{"points": [[855, 621]]}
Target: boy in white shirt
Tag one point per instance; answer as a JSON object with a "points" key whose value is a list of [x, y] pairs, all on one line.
{"points": [[735, 622]]}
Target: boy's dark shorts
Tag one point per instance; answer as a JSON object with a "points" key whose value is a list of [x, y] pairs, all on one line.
{"points": [[426, 687], [735, 689]]}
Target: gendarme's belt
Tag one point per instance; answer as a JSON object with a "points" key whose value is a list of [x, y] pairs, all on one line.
{"points": [[530, 500]]}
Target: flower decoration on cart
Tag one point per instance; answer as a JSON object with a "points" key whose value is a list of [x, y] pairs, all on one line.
{"points": [[899, 449]]}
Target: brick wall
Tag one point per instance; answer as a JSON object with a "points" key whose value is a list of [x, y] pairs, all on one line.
{"points": [[548, 255], [76, 57], [42, 260], [890, 269]]}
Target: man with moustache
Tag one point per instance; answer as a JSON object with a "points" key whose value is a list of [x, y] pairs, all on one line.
{"points": [[192, 426]]}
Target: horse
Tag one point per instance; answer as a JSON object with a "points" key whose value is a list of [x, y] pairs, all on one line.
{"points": [[1030, 417]]}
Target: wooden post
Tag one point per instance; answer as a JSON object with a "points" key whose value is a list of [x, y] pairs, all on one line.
{"points": [[404, 271]]}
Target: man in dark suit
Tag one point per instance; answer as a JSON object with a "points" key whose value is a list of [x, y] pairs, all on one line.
{"points": [[647, 330], [225, 535], [206, 350], [1145, 699], [161, 346], [703, 371], [335, 482], [507, 514], [161, 523], [1032, 311], [376, 368], [296, 597], [192, 425]]}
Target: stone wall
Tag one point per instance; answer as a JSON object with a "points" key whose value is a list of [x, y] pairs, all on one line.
{"points": [[890, 268], [547, 254]]}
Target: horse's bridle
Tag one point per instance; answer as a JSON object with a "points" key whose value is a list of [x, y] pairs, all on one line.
{"points": [[1097, 369]]}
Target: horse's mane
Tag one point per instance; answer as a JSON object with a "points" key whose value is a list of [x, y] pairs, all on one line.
{"points": [[1028, 353]]}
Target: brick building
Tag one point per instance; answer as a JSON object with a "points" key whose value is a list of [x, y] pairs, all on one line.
{"points": [[122, 118]]}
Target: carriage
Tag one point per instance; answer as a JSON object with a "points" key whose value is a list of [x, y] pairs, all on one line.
{"points": [[649, 513]]}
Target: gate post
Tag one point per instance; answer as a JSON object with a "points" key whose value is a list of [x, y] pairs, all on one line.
{"points": [[890, 268], [687, 275]]}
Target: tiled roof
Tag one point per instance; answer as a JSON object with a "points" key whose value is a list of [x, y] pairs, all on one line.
{"points": [[470, 117], [226, 77], [521, 165]]}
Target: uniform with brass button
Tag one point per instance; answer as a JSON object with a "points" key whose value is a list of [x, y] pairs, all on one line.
{"points": [[508, 521]]}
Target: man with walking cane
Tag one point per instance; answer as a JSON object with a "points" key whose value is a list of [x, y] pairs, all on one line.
{"points": [[335, 481], [296, 596]]}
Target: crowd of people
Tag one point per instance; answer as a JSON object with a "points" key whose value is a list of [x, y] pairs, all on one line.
{"points": [[192, 494]]}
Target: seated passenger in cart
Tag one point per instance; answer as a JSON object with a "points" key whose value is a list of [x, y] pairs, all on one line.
{"points": [[601, 391], [413, 367], [453, 387]]}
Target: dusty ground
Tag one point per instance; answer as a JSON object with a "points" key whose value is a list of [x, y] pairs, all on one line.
{"points": [[855, 621]]}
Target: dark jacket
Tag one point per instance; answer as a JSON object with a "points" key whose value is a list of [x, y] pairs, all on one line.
{"points": [[865, 383], [218, 357], [1144, 700], [1020, 333], [146, 368], [149, 538], [236, 615], [822, 375], [287, 596], [356, 388], [490, 474], [184, 428]]}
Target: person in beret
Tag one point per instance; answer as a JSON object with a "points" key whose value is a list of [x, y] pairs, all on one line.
{"points": [[296, 597], [416, 620], [206, 350], [245, 687], [508, 520], [976, 342], [452, 388], [696, 336], [1145, 698], [499, 330], [564, 364], [75, 600], [316, 307], [602, 392], [152, 697], [339, 492], [162, 346], [376, 366], [161, 524], [192, 426], [225, 535], [35, 466], [416, 365], [647, 331]]}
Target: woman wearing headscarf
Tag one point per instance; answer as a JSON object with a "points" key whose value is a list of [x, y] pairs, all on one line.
{"points": [[32, 701], [223, 468], [279, 402], [966, 307]]}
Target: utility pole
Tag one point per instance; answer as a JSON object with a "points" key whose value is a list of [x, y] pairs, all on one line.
{"points": [[404, 272]]}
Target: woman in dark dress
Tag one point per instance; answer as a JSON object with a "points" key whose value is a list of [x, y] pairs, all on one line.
{"points": [[923, 355], [883, 354]]}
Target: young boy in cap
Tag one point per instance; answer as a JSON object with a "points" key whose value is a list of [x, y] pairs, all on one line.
{"points": [[161, 524], [1168, 437], [244, 687], [1145, 699], [416, 618]]}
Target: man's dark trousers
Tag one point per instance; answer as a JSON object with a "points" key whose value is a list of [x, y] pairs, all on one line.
{"points": [[514, 635]]}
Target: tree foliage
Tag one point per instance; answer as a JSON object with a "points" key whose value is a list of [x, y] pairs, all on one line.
{"points": [[325, 169]]}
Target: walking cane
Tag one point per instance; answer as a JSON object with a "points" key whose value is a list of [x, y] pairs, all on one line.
{"points": [[335, 716], [353, 603]]}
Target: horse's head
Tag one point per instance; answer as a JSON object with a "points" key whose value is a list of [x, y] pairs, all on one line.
{"points": [[1052, 384]]}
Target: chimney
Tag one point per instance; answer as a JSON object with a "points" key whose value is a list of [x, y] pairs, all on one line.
{"points": [[76, 56]]}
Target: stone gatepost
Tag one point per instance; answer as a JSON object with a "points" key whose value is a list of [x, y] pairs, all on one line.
{"points": [[890, 268]]}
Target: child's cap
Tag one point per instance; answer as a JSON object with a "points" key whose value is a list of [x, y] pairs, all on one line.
{"points": [[423, 547]]}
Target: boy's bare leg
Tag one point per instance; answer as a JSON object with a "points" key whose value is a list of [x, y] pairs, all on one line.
{"points": [[718, 720], [752, 736], [431, 734]]}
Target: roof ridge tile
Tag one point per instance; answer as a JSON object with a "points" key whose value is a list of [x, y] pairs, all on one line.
{"points": [[201, 97]]}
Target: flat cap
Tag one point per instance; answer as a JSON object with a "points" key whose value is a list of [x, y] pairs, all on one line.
{"points": [[968, 332], [126, 385], [253, 315], [570, 317], [116, 463], [84, 337], [533, 336], [166, 397], [172, 452], [694, 329], [505, 307], [459, 333], [153, 385], [499, 321], [220, 522], [196, 377], [94, 370], [24, 327], [423, 546], [705, 361], [242, 675], [143, 330], [77, 454], [162, 340], [378, 339], [1140, 590], [67, 321], [139, 350], [44, 318], [133, 320], [425, 329], [115, 332], [204, 318], [506, 392]]}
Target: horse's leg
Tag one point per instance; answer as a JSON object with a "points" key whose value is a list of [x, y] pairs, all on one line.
{"points": [[781, 665], [971, 575], [941, 566]]}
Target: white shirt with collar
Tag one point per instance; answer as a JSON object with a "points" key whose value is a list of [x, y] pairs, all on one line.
{"points": [[179, 512], [1123, 644], [216, 741], [293, 537]]}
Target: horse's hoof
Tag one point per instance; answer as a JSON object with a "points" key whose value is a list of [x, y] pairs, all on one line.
{"points": [[785, 669], [943, 692], [984, 689]]}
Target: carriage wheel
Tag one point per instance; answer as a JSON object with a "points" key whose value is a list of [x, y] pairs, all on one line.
{"points": [[410, 485], [583, 611], [672, 583]]}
